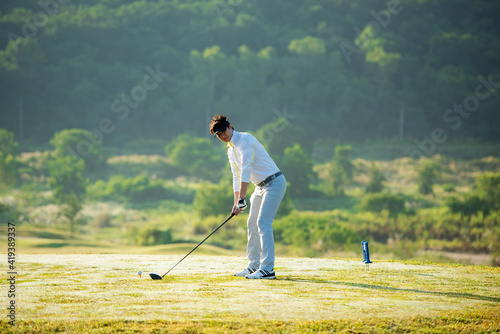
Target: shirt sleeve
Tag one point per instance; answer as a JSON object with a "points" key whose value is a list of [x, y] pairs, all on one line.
{"points": [[247, 158], [234, 170]]}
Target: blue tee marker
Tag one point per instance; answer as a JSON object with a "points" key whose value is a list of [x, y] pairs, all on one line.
{"points": [[366, 253]]}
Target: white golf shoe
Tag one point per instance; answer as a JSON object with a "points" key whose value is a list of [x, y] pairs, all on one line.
{"points": [[244, 272], [262, 274]]}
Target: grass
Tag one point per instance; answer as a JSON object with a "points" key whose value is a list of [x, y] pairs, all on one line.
{"points": [[102, 293], [42, 240]]}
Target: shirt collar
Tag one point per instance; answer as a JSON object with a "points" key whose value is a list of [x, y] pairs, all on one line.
{"points": [[234, 139]]}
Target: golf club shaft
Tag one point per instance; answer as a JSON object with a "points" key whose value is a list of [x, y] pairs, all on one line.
{"points": [[231, 216]]}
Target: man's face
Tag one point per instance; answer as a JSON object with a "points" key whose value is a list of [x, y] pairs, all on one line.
{"points": [[226, 135]]}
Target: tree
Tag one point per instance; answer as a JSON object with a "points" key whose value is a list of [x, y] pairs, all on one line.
{"points": [[8, 145], [297, 166], [66, 178], [22, 52], [80, 144], [485, 198], [197, 157], [375, 184], [70, 210], [211, 71], [8, 171], [307, 46], [68, 183], [214, 199], [469, 205], [280, 134], [427, 175], [8, 212], [340, 171], [151, 235], [488, 187], [8, 151], [394, 204]]}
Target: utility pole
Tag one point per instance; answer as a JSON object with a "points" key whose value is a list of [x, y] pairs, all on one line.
{"points": [[21, 120], [210, 99], [401, 122]]}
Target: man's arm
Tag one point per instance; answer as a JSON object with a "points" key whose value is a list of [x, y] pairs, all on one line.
{"points": [[243, 189], [239, 194]]}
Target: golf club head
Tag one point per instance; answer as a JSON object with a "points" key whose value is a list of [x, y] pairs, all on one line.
{"points": [[155, 276]]}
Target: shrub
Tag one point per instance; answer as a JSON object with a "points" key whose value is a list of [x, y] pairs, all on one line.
{"points": [[449, 187], [197, 157], [7, 143], [139, 189], [214, 199], [8, 151], [8, 212], [102, 220], [232, 235], [80, 144], [470, 205], [375, 185], [378, 202], [280, 134], [286, 206], [150, 236], [314, 232], [484, 199], [66, 178], [340, 171], [217, 199], [132, 165], [8, 170], [297, 167], [488, 186], [427, 175], [70, 210]]}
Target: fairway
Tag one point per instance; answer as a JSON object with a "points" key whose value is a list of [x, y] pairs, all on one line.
{"points": [[103, 293]]}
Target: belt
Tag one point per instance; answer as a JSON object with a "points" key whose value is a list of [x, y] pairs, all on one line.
{"points": [[269, 179]]}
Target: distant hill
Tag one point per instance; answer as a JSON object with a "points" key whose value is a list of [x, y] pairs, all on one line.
{"points": [[349, 70]]}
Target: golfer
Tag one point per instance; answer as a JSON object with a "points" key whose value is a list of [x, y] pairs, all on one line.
{"points": [[250, 161]]}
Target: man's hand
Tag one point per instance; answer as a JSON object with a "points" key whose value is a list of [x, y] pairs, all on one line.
{"points": [[236, 211], [242, 204], [240, 207]]}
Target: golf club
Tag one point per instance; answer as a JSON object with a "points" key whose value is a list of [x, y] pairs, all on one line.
{"points": [[158, 277]]}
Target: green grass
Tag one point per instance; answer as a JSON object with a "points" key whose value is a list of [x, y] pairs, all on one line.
{"points": [[473, 322], [70, 246], [102, 293], [50, 240]]}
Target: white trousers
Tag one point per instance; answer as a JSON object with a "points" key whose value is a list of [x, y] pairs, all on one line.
{"points": [[264, 204]]}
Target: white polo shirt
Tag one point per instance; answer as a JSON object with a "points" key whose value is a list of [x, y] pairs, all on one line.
{"points": [[249, 160]]}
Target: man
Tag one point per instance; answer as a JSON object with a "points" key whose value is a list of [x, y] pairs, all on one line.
{"points": [[250, 161]]}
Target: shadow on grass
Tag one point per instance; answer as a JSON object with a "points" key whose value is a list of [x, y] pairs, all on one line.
{"points": [[379, 287]]}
